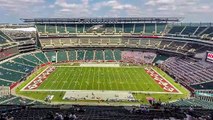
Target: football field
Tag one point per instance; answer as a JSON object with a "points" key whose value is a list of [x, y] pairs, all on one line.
{"points": [[100, 78], [82, 83]]}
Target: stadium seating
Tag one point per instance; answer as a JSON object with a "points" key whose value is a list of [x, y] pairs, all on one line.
{"points": [[32, 58], [176, 29], [14, 100], [128, 28], [17, 67], [24, 61], [103, 113], [41, 56], [40, 28], [194, 103], [139, 28], [61, 56], [3, 37], [2, 40], [10, 75], [117, 54], [189, 30], [4, 83], [199, 30], [161, 27], [80, 28], [207, 86], [149, 28], [118, 28], [60, 28], [71, 28], [72, 55], [160, 58], [51, 28], [89, 55], [80, 54], [209, 30], [108, 55], [99, 55], [51, 55], [187, 71]]}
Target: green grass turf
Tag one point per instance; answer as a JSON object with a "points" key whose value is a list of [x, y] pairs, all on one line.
{"points": [[100, 78], [41, 95]]}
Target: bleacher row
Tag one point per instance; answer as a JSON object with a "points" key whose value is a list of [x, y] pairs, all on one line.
{"points": [[14, 100], [165, 44], [188, 71], [193, 103], [3, 38], [19, 67], [192, 30], [149, 28]]}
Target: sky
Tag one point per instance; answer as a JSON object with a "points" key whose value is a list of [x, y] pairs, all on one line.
{"points": [[191, 10]]}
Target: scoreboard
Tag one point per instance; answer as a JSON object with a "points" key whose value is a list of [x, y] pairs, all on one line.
{"points": [[209, 57]]}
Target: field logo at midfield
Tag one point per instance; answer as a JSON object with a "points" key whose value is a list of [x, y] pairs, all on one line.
{"points": [[168, 87], [39, 79]]}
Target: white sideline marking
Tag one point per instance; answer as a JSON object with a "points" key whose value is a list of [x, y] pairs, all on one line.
{"points": [[34, 78], [168, 81]]}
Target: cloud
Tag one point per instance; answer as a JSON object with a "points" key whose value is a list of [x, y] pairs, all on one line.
{"points": [[194, 9], [20, 7], [64, 8]]}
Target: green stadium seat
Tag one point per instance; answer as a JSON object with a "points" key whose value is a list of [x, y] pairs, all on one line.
{"points": [[117, 54], [99, 55], [108, 55], [118, 28], [51, 56], [61, 28], [40, 28], [138, 28], [109, 28], [61, 56], [41, 56], [80, 28], [4, 83], [2, 40], [149, 28], [89, 55], [128, 28], [32, 58], [4, 36], [72, 55], [160, 58], [10, 75], [51, 28], [25, 62], [161, 27], [87, 28], [17, 67], [71, 28], [80, 54]]}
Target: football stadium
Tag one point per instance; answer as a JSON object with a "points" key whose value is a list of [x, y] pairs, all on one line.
{"points": [[101, 68]]}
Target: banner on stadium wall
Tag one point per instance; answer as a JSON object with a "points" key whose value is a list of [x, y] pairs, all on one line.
{"points": [[204, 94]]}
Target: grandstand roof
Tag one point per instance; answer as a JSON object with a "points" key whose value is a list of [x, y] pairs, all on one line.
{"points": [[103, 20]]}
